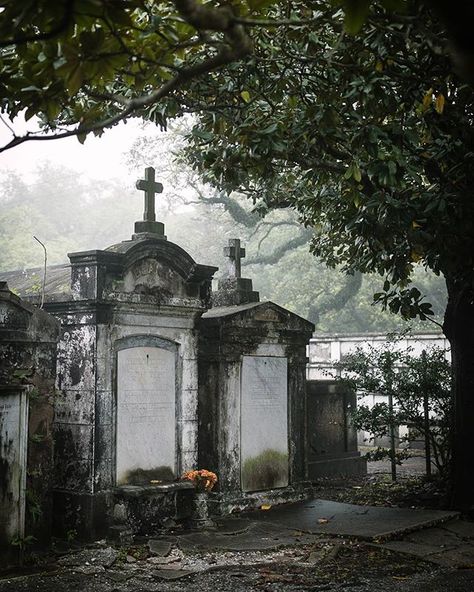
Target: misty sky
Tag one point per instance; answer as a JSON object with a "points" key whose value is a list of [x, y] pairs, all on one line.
{"points": [[97, 157]]}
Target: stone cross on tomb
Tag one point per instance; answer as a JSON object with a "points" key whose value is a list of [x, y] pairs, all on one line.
{"points": [[150, 187], [235, 254]]}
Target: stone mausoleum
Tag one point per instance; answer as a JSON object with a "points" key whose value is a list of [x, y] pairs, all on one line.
{"points": [[156, 374]]}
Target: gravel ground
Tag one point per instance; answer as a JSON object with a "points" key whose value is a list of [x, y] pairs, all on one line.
{"points": [[330, 564], [411, 467]]}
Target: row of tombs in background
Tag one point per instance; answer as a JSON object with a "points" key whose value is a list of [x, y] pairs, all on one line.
{"points": [[133, 371]]}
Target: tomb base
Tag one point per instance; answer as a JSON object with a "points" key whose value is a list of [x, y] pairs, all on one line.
{"points": [[222, 504], [200, 517], [84, 516], [147, 509], [345, 466]]}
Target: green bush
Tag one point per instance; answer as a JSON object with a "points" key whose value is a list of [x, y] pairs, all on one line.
{"points": [[408, 379]]}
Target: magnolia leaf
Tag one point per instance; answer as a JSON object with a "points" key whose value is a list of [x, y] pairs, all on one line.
{"points": [[74, 81], [356, 12], [356, 173], [30, 112], [245, 95], [426, 102], [439, 103], [81, 137], [349, 172], [415, 256]]}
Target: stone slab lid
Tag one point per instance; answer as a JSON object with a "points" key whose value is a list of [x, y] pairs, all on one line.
{"points": [[259, 311], [27, 283]]}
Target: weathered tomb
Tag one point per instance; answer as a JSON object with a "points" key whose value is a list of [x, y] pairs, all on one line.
{"points": [[332, 439], [128, 374], [252, 394], [126, 408], [28, 341]]}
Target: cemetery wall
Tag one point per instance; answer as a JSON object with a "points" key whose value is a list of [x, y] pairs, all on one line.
{"points": [[324, 351]]}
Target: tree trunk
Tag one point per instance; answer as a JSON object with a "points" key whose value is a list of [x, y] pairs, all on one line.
{"points": [[459, 329]]}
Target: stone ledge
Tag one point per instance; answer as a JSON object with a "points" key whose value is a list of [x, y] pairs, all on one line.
{"points": [[151, 489], [344, 466]]}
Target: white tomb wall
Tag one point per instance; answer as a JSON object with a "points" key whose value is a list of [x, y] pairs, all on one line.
{"points": [[264, 423], [146, 411], [13, 450]]}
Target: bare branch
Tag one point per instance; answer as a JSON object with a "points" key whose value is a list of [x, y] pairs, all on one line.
{"points": [[282, 250], [272, 226]]}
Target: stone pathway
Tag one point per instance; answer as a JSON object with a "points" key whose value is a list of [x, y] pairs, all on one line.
{"points": [[284, 548], [450, 544], [414, 466], [363, 522]]}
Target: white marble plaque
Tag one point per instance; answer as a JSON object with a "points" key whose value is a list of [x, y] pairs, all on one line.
{"points": [[146, 414], [264, 423], [13, 444]]}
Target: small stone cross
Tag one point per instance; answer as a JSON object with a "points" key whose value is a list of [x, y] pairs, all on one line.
{"points": [[235, 254], [150, 187]]}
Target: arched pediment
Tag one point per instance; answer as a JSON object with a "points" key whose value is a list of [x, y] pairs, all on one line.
{"points": [[150, 267], [167, 253]]}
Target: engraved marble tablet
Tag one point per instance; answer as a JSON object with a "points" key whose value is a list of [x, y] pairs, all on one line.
{"points": [[146, 415], [13, 444], [264, 423]]}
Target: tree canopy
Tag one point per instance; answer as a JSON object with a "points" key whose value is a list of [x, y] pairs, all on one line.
{"points": [[83, 65], [369, 138]]}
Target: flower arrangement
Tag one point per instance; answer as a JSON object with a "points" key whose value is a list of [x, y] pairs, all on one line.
{"points": [[203, 480]]}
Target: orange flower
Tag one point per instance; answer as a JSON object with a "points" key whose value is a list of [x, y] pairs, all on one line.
{"points": [[203, 479]]}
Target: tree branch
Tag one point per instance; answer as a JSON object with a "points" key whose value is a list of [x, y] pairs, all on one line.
{"points": [[278, 253], [238, 44]]}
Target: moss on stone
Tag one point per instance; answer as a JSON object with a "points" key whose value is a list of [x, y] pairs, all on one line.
{"points": [[268, 470]]}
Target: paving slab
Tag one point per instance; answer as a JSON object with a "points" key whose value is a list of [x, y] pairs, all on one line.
{"points": [[365, 522], [257, 536], [436, 537], [460, 558], [417, 549], [460, 527], [232, 526]]}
